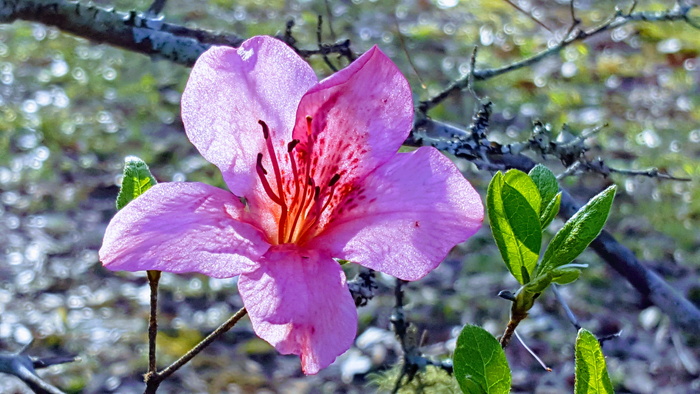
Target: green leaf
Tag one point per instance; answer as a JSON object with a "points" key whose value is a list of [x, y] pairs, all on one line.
{"points": [[548, 188], [546, 183], [550, 211], [514, 224], [565, 276], [521, 182], [539, 283], [578, 232], [591, 373], [137, 179], [480, 365]]}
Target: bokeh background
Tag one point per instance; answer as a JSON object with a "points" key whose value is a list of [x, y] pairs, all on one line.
{"points": [[72, 110]]}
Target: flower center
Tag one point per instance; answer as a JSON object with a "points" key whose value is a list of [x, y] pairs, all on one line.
{"points": [[301, 199]]}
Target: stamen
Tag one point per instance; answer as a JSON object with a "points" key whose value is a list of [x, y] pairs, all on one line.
{"points": [[297, 190], [332, 183], [263, 180], [292, 145], [308, 124], [317, 192], [318, 212], [266, 130], [278, 177]]}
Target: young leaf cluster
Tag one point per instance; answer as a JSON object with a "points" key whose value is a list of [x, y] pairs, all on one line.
{"points": [[520, 207]]}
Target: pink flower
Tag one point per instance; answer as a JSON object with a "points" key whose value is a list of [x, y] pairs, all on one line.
{"points": [[314, 174]]}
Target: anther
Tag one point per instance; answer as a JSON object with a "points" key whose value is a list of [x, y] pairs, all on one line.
{"points": [[292, 145], [266, 130], [317, 192], [334, 180], [308, 124]]}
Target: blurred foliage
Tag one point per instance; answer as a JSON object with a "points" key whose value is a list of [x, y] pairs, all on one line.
{"points": [[72, 110]]}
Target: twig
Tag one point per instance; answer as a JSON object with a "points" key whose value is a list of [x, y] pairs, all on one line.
{"points": [[609, 337], [402, 42], [574, 20], [153, 279], [321, 47], [569, 314], [156, 8], [618, 19], [329, 12], [23, 367], [157, 378], [398, 320], [529, 15]]}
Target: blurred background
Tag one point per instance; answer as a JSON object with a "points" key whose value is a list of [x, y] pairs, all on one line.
{"points": [[72, 110]]}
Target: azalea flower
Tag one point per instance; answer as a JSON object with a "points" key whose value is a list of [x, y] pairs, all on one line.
{"points": [[313, 175]]}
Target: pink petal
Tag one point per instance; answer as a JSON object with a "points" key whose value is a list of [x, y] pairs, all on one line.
{"points": [[405, 217], [230, 90], [299, 302], [360, 117], [183, 227]]}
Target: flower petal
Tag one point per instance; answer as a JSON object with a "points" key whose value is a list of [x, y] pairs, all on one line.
{"points": [[183, 227], [299, 302], [230, 90], [360, 116], [405, 217]]}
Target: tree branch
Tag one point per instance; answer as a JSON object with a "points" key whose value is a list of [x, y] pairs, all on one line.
{"points": [[618, 19], [154, 379], [130, 31], [23, 367]]}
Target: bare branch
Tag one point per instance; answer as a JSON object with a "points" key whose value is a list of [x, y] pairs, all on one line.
{"points": [[319, 38], [156, 8], [529, 15], [154, 379], [136, 32], [618, 19], [22, 366], [130, 31]]}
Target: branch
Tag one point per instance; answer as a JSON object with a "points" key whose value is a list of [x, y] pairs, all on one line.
{"points": [[140, 33], [23, 367], [618, 19], [154, 379], [130, 31]]}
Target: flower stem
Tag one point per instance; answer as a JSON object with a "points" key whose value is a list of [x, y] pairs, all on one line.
{"points": [[153, 278], [154, 380]]}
